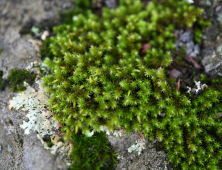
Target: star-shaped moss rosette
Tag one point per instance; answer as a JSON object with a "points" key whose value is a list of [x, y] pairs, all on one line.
{"points": [[99, 76]]}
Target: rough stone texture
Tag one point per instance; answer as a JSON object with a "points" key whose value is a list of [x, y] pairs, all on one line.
{"points": [[111, 3], [19, 151], [212, 37], [149, 159], [18, 52], [11, 136], [16, 13], [185, 39]]}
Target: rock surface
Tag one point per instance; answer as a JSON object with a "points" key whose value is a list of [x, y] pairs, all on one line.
{"points": [[19, 151], [211, 53], [149, 159]]}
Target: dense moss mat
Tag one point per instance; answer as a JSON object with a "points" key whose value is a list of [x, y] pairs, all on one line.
{"points": [[101, 76]]}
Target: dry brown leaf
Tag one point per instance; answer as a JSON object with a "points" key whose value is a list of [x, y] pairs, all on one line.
{"points": [[219, 116], [59, 125], [55, 138], [145, 47]]}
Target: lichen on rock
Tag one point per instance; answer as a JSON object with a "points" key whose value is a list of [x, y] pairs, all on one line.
{"points": [[40, 118]]}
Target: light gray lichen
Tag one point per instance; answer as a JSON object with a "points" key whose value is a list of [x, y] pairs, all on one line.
{"points": [[197, 89], [139, 146], [41, 119], [104, 129]]}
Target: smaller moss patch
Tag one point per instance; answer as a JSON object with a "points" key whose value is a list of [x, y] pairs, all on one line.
{"points": [[17, 78], [92, 152]]}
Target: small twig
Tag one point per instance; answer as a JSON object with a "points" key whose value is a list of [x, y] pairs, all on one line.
{"points": [[219, 116], [141, 136], [178, 84], [179, 66], [195, 64]]}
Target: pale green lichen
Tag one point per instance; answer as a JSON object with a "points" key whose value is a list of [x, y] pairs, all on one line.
{"points": [[35, 30], [104, 129], [10, 148], [139, 146], [40, 119], [119, 157]]}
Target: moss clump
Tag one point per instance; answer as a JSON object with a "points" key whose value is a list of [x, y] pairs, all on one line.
{"points": [[17, 78], [100, 77], [92, 152]]}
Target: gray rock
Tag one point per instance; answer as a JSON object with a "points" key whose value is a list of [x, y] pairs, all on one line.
{"points": [[186, 37], [19, 151], [149, 158], [111, 3], [174, 74], [189, 47], [211, 55]]}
